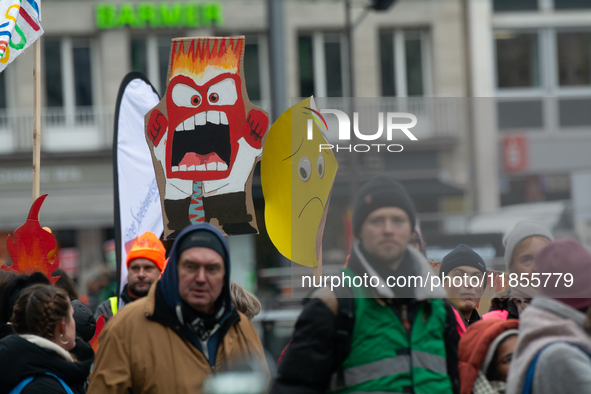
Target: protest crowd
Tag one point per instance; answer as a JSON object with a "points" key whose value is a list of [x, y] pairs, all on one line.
{"points": [[179, 320]]}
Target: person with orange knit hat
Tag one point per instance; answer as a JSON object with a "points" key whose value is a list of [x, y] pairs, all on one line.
{"points": [[146, 259]]}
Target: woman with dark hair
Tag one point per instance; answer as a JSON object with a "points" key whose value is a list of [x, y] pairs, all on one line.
{"points": [[37, 359], [11, 291]]}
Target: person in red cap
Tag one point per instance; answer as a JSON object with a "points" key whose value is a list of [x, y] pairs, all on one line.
{"points": [[146, 259]]}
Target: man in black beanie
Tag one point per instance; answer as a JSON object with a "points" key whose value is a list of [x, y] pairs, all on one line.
{"points": [[383, 222], [461, 269], [404, 338]]}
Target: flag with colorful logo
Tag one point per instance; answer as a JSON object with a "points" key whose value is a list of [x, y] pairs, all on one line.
{"points": [[19, 28]]}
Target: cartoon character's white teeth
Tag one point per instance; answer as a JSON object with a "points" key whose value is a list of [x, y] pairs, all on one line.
{"points": [[189, 124], [200, 119], [213, 117], [213, 166]]}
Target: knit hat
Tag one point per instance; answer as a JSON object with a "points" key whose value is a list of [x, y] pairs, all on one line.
{"points": [[203, 238], [461, 255], [147, 246], [381, 191], [521, 231], [85, 321], [566, 256]]}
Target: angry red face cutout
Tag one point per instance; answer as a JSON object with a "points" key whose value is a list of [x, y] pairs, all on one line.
{"points": [[207, 121], [206, 137]]}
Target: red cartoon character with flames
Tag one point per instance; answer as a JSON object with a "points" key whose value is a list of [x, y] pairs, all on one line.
{"points": [[206, 137]]}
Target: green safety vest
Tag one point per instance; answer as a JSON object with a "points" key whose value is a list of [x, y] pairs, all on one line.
{"points": [[114, 304], [384, 358]]}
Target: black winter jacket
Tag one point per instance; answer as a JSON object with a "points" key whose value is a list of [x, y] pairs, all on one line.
{"points": [[20, 359], [309, 361]]}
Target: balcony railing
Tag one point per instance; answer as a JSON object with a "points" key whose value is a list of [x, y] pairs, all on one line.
{"points": [[84, 129], [91, 128]]}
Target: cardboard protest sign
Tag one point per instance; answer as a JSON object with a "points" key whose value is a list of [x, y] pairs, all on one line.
{"points": [[206, 137], [297, 181]]}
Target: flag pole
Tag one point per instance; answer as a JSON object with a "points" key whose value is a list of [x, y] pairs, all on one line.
{"points": [[37, 119]]}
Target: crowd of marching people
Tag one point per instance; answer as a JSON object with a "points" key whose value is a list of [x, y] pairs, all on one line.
{"points": [[179, 320]]}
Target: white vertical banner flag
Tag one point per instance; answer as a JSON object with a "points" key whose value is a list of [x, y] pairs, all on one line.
{"points": [[19, 27], [137, 200]]}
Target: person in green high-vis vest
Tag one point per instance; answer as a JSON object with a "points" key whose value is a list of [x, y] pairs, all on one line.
{"points": [[146, 259], [387, 335]]}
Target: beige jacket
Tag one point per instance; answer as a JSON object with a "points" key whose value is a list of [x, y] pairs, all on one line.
{"points": [[139, 355]]}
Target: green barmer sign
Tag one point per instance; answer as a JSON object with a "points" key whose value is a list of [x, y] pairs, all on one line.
{"points": [[158, 15]]}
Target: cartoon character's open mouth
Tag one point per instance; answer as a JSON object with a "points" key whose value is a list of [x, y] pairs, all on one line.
{"points": [[202, 143]]}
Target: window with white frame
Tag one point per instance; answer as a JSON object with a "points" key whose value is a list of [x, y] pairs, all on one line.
{"points": [[571, 4], [404, 60], [574, 58], [150, 56], [535, 5], [69, 73], [256, 70], [323, 65], [531, 64], [515, 5], [518, 60]]}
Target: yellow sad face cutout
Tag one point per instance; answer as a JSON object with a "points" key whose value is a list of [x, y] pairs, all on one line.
{"points": [[297, 181]]}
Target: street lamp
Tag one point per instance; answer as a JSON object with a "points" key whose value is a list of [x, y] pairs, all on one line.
{"points": [[377, 5]]}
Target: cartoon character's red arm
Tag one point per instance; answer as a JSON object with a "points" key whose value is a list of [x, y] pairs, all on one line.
{"points": [[255, 128], [157, 125]]}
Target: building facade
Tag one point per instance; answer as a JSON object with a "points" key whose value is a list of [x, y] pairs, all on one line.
{"points": [[527, 61]]}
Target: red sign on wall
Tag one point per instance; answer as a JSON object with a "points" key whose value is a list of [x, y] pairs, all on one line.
{"points": [[515, 153]]}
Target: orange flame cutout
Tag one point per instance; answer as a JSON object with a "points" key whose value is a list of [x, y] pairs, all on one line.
{"points": [[33, 248], [100, 323], [203, 60]]}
